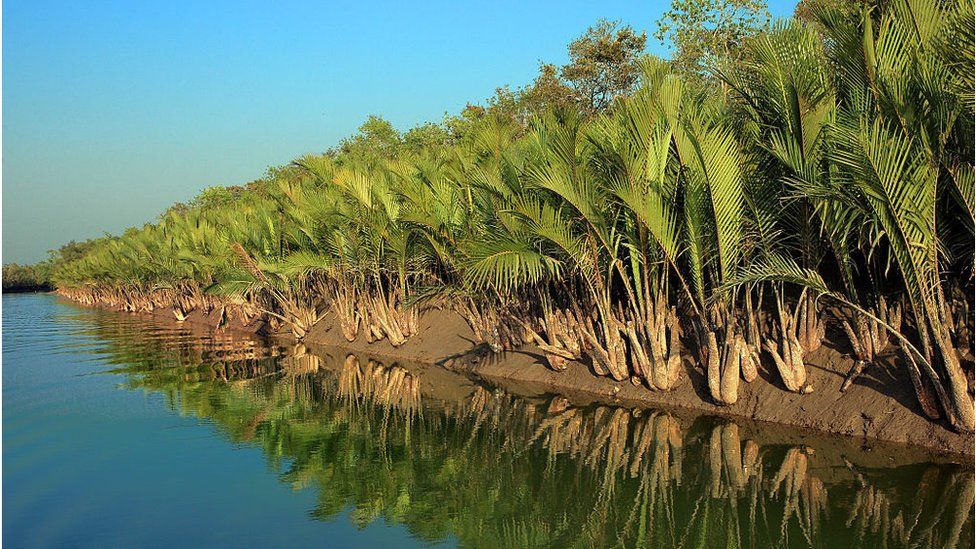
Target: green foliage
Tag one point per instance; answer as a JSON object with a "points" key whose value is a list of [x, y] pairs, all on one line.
{"points": [[603, 64], [376, 137], [26, 278], [71, 251], [707, 33], [840, 159], [215, 197], [424, 137], [38, 277]]}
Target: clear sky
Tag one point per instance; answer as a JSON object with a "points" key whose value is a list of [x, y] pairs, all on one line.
{"points": [[112, 111]]}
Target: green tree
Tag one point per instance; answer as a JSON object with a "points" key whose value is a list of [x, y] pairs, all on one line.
{"points": [[459, 125], [217, 196], [547, 92], [807, 10], [27, 278], [603, 64], [71, 251], [705, 33], [425, 136], [376, 137]]}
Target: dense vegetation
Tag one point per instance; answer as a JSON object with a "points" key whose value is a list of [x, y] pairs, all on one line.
{"points": [[26, 278], [628, 212], [37, 277]]}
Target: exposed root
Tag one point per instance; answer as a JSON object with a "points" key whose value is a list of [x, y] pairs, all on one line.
{"points": [[491, 323], [868, 337], [789, 352]]}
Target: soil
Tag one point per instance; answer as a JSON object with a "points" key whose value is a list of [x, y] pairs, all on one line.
{"points": [[877, 409]]}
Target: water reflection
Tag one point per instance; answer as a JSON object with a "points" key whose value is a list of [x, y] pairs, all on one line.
{"points": [[447, 457]]}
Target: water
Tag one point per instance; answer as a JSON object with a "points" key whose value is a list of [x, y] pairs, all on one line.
{"points": [[121, 432]]}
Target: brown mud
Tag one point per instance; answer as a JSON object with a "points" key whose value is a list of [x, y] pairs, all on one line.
{"points": [[878, 413]]}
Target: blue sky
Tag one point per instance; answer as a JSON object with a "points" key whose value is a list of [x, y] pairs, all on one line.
{"points": [[112, 111]]}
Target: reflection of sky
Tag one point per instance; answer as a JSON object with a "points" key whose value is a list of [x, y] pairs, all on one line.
{"points": [[88, 465], [112, 111]]}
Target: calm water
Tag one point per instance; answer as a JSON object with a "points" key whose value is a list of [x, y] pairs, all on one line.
{"points": [[118, 432]]}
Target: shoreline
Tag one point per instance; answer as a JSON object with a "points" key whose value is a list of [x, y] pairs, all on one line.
{"points": [[875, 409]]}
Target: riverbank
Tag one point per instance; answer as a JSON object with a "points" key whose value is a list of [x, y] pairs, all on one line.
{"points": [[29, 289], [876, 408]]}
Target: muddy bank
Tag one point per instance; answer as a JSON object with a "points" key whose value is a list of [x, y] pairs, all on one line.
{"points": [[876, 408]]}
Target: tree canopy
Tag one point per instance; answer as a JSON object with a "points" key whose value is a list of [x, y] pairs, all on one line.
{"points": [[706, 33]]}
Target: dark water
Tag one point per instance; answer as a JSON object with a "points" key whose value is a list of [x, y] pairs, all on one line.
{"points": [[118, 432]]}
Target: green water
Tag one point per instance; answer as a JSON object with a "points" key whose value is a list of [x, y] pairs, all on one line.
{"points": [[121, 432]]}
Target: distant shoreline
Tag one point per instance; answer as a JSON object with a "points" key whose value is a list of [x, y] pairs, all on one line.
{"points": [[29, 290]]}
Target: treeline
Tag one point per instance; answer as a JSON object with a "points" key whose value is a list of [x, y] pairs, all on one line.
{"points": [[728, 207], [36, 277], [26, 278]]}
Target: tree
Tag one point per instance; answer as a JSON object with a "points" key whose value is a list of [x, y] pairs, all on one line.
{"points": [[460, 125], [425, 136], [516, 107], [838, 166], [603, 64], [217, 196], [806, 10], [703, 33], [547, 92], [376, 136], [71, 251], [27, 278]]}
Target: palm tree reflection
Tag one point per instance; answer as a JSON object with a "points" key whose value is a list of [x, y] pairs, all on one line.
{"points": [[380, 441]]}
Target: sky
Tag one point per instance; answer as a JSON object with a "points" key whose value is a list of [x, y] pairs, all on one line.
{"points": [[112, 111]]}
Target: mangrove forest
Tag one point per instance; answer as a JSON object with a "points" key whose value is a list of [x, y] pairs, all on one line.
{"points": [[810, 182]]}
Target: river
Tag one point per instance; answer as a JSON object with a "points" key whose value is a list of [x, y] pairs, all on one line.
{"points": [[123, 431]]}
